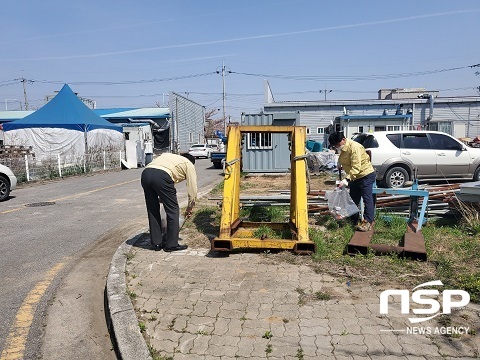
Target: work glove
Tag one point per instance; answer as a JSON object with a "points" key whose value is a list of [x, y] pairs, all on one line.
{"points": [[341, 183]]}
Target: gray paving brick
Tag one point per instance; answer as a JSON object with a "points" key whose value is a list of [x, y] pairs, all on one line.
{"points": [[336, 327], [220, 327], [200, 345], [234, 327], [198, 307], [391, 344], [185, 342], [324, 344], [350, 350], [351, 325], [308, 346]]}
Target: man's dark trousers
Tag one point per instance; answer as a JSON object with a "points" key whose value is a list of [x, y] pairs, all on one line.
{"points": [[157, 184], [363, 188]]}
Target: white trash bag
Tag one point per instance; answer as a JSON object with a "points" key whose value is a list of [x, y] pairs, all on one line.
{"points": [[340, 203]]}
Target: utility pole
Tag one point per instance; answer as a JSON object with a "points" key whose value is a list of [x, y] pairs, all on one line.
{"points": [[223, 72], [24, 81], [325, 92], [223, 86]]}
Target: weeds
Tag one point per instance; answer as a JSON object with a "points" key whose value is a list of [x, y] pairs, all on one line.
{"points": [[267, 335], [268, 349], [267, 213], [470, 217], [321, 295], [299, 354], [265, 232], [156, 355], [218, 189]]}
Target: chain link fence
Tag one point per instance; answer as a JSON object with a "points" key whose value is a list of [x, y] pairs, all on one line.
{"points": [[26, 168]]}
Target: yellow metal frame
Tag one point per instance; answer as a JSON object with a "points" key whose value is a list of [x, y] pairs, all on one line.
{"points": [[236, 233]]}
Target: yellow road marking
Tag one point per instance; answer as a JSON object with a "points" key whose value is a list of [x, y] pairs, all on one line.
{"points": [[73, 196], [92, 191], [17, 337], [11, 210]]}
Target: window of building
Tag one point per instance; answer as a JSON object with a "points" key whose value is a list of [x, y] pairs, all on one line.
{"points": [[308, 131], [393, 128], [190, 138], [443, 126], [199, 139], [360, 129], [320, 130], [259, 141]]}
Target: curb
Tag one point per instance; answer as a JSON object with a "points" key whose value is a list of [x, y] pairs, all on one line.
{"points": [[124, 329]]}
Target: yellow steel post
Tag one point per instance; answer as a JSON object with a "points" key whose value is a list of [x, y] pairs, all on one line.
{"points": [[298, 181], [231, 186]]}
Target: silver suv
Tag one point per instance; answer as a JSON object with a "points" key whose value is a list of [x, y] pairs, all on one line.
{"points": [[435, 155]]}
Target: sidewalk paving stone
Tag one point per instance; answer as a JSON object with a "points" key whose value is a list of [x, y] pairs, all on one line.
{"points": [[198, 305]]}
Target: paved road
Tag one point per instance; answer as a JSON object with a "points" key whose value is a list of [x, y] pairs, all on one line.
{"points": [[55, 258]]}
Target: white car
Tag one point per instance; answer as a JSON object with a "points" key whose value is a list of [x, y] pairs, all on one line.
{"points": [[8, 182], [200, 150], [395, 155]]}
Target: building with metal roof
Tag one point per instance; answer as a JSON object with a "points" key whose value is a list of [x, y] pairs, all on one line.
{"points": [[122, 115], [395, 109]]}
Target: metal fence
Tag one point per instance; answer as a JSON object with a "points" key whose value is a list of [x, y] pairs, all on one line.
{"points": [[27, 168]]}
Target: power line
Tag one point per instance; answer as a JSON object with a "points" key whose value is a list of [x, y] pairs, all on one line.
{"points": [[352, 77], [127, 82]]}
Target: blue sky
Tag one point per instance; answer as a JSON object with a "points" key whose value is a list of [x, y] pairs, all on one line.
{"points": [[130, 53]]}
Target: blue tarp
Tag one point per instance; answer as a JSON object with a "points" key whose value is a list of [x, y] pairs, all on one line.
{"points": [[64, 111]]}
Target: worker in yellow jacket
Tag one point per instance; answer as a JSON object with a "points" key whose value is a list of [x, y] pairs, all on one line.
{"points": [[361, 175]]}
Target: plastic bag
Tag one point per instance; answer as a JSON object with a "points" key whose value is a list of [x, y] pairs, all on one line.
{"points": [[340, 203]]}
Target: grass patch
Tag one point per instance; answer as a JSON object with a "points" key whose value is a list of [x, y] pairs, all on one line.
{"points": [[266, 213], [389, 229], [206, 219], [322, 295], [218, 189], [265, 232]]}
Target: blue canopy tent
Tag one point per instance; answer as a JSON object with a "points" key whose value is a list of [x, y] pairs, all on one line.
{"points": [[64, 111]]}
